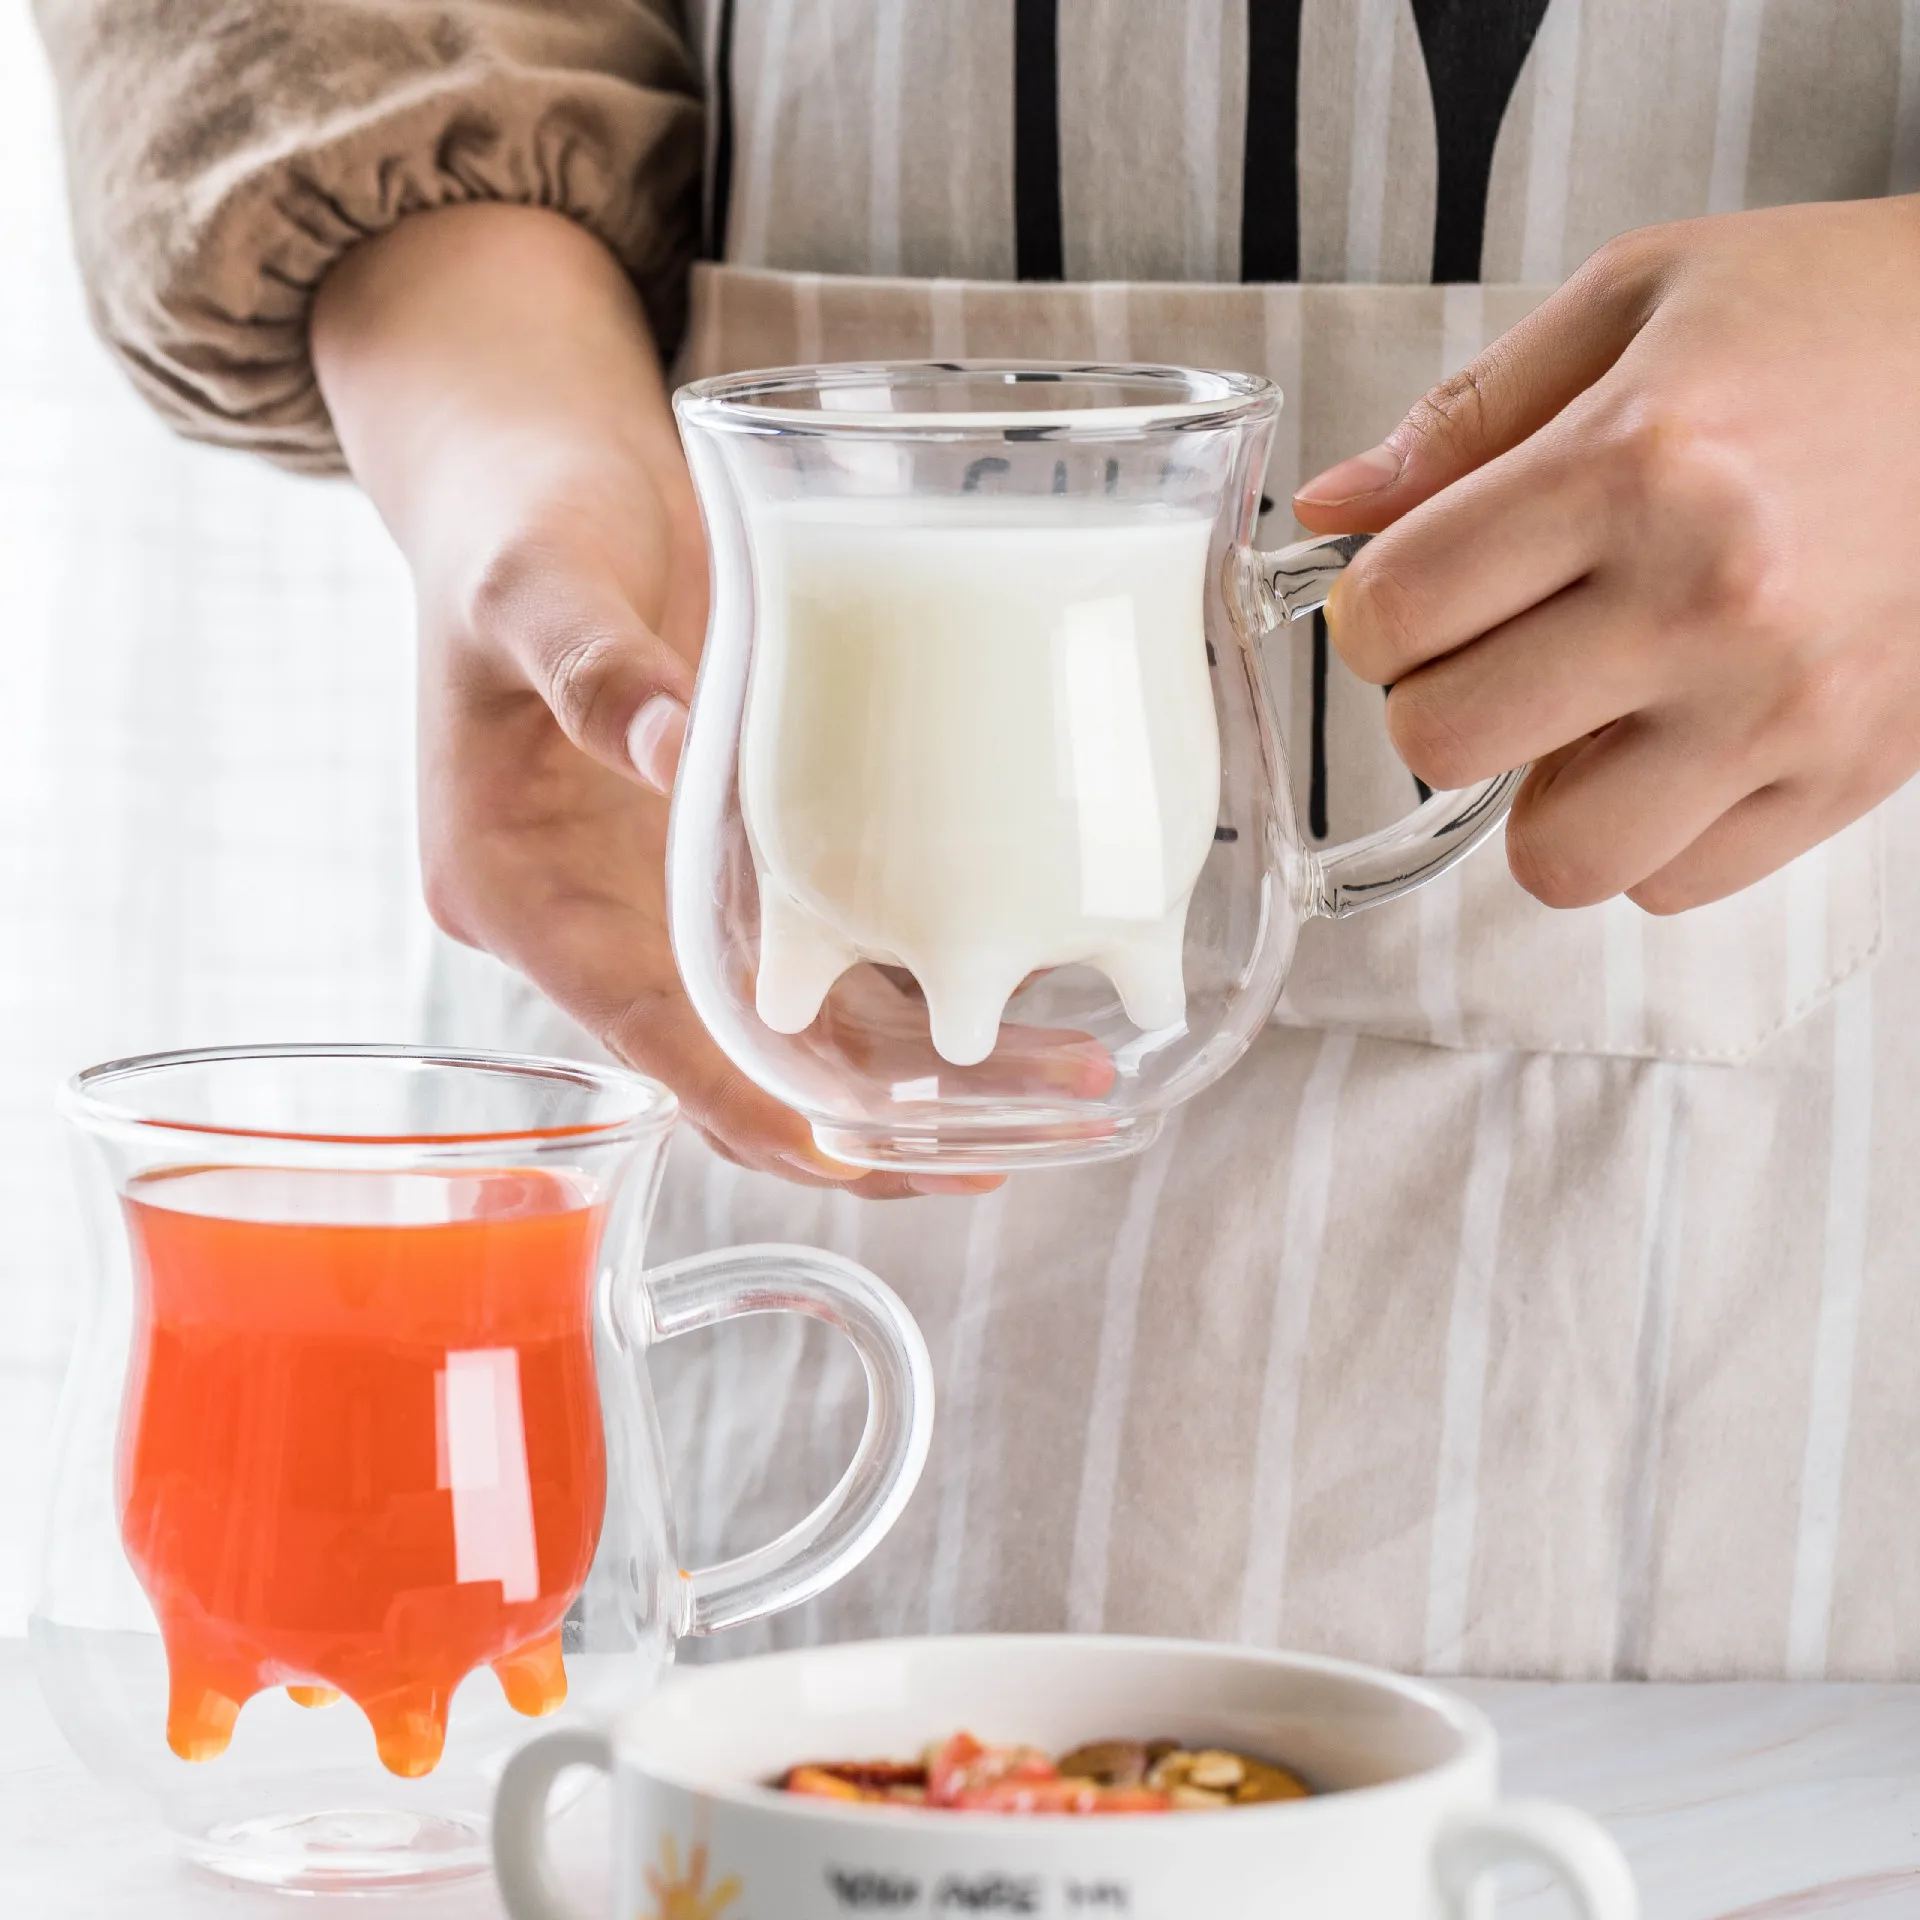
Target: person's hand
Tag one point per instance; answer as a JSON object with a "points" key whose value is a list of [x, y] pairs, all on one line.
{"points": [[1660, 540], [495, 390]]}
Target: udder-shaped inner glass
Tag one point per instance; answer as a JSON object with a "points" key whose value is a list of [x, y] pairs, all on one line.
{"points": [[361, 1450], [979, 742]]}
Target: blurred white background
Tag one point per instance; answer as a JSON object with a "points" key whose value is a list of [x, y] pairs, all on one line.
{"points": [[206, 829]]}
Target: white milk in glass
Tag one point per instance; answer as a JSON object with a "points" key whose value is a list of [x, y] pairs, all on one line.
{"points": [[979, 741]]}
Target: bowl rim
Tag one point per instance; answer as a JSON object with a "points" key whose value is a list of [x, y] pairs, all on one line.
{"points": [[1477, 1741]]}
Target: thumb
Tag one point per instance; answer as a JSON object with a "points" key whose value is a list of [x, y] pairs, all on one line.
{"points": [[1493, 403], [619, 692]]}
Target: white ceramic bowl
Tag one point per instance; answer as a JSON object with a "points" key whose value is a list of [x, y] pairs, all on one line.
{"points": [[1406, 1826]]}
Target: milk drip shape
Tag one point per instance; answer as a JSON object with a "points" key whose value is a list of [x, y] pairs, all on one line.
{"points": [[979, 743]]}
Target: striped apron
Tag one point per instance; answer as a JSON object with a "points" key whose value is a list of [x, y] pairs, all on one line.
{"points": [[1535, 1298]]}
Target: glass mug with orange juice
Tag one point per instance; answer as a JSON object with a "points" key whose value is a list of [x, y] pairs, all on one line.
{"points": [[358, 1469]]}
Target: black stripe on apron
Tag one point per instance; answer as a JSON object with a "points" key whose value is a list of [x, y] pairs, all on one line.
{"points": [[1474, 51], [1039, 249], [720, 179], [1270, 160], [1317, 746]]}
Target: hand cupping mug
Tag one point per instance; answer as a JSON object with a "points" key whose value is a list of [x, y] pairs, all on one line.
{"points": [[982, 854], [1404, 1821]]}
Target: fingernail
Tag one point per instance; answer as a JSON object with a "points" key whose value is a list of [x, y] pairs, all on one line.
{"points": [[654, 740], [1365, 473]]}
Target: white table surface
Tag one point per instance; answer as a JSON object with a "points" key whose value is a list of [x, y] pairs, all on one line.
{"points": [[1739, 1802]]}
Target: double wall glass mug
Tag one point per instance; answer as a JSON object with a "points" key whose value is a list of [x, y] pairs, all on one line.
{"points": [[982, 852], [357, 1468]]}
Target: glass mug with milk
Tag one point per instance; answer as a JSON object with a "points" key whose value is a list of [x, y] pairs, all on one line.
{"points": [[982, 853]]}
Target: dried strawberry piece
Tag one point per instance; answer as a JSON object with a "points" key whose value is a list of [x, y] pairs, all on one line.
{"points": [[964, 1765], [1132, 1800], [948, 1769]]}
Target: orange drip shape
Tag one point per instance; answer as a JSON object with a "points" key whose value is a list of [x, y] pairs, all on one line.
{"points": [[361, 1460], [408, 1716]]}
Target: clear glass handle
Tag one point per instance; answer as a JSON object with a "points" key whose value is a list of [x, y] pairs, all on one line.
{"points": [[850, 1522], [1288, 584]]}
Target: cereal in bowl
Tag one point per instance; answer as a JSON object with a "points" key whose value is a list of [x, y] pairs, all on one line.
{"points": [[964, 1775]]}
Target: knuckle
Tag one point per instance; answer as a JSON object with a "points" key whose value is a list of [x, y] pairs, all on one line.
{"points": [[1546, 865], [1625, 277], [1701, 520], [565, 631], [1428, 738], [580, 676], [1615, 259], [1740, 584], [1381, 622], [1656, 458], [1626, 259], [500, 597], [1457, 409], [1828, 698]]}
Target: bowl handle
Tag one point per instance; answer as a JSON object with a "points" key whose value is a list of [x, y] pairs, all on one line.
{"points": [[521, 1862], [1572, 1846]]}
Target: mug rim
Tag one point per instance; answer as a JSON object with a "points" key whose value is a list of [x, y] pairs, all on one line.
{"points": [[1206, 397], [1474, 1733], [82, 1097]]}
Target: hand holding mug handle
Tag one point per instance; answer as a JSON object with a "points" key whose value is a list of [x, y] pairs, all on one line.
{"points": [[1570, 1845], [1288, 584]]}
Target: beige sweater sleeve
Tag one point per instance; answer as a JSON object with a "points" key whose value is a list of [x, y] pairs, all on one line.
{"points": [[222, 154]]}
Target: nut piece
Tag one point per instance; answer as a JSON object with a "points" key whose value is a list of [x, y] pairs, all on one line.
{"points": [[1107, 1763], [1263, 1783], [1235, 1778], [1216, 1769], [1196, 1799]]}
